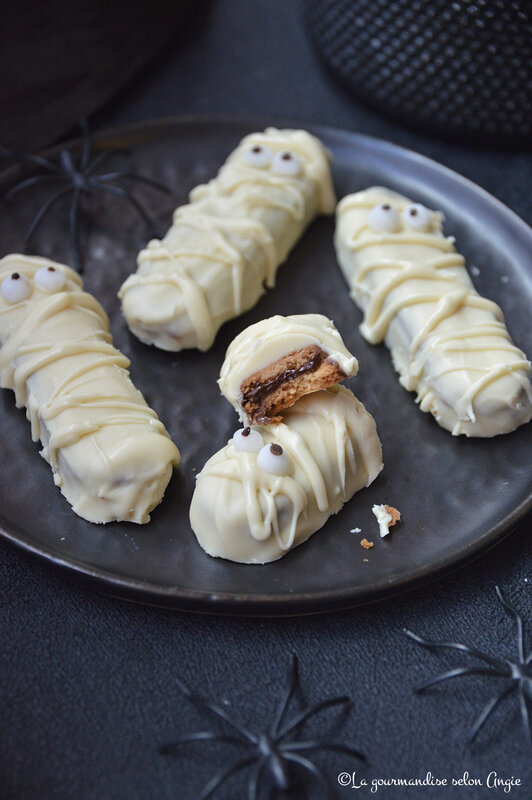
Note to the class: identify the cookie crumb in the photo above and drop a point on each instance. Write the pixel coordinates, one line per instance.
(365, 559)
(366, 545)
(394, 514)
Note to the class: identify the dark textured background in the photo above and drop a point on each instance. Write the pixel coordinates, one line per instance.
(86, 682)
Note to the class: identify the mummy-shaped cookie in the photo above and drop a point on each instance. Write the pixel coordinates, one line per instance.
(110, 455)
(227, 243)
(274, 362)
(272, 487)
(448, 343)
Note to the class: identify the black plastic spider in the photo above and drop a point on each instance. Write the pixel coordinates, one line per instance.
(270, 752)
(76, 175)
(518, 673)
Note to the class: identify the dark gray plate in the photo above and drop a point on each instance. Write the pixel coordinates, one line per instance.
(456, 496)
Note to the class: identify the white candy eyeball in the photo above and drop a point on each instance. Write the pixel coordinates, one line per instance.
(247, 440)
(272, 458)
(416, 217)
(258, 156)
(15, 288)
(384, 217)
(286, 163)
(50, 279)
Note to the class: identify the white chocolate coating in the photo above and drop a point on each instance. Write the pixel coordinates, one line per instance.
(448, 343)
(110, 454)
(383, 518)
(270, 339)
(245, 514)
(229, 241)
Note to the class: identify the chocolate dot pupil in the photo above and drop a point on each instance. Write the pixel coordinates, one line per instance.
(246, 431)
(385, 207)
(286, 156)
(257, 149)
(276, 449)
(51, 269)
(413, 212)
(15, 276)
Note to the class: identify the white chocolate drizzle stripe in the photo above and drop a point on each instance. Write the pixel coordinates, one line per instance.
(465, 405)
(444, 262)
(28, 367)
(446, 245)
(51, 410)
(71, 434)
(244, 177)
(193, 297)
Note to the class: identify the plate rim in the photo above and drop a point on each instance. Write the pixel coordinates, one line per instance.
(237, 604)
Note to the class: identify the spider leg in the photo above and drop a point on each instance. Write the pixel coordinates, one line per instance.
(310, 712)
(108, 176)
(223, 775)
(292, 683)
(113, 176)
(459, 672)
(125, 194)
(38, 161)
(214, 709)
(486, 712)
(43, 211)
(201, 736)
(86, 147)
(315, 744)
(525, 715)
(463, 648)
(101, 158)
(25, 184)
(67, 162)
(519, 622)
(314, 770)
(253, 785)
(74, 232)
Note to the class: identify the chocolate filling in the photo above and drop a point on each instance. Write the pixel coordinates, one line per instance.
(258, 393)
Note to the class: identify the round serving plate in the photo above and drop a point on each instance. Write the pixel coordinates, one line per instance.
(457, 496)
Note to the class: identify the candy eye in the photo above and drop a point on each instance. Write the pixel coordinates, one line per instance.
(246, 440)
(416, 217)
(258, 156)
(384, 217)
(272, 458)
(286, 163)
(15, 288)
(50, 279)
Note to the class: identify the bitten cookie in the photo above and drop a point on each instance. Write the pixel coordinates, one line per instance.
(110, 454)
(228, 242)
(271, 364)
(448, 343)
(273, 486)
